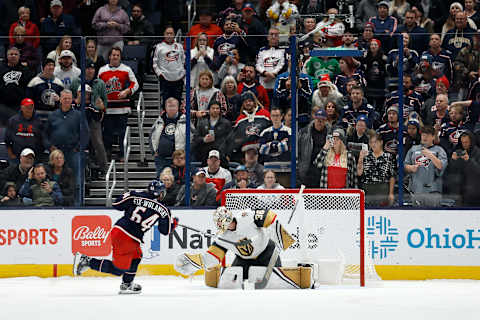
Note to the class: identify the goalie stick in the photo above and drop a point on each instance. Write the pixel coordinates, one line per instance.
(297, 199)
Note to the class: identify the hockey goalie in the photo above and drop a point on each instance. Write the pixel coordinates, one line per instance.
(255, 237)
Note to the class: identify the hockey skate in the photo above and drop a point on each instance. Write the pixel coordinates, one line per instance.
(130, 288)
(80, 264)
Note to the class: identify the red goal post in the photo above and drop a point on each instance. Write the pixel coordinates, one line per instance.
(328, 219)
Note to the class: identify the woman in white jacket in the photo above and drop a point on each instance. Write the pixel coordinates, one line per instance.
(201, 58)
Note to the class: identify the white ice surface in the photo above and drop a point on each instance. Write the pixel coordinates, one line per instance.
(173, 298)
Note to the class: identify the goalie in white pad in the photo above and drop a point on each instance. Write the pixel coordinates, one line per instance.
(250, 230)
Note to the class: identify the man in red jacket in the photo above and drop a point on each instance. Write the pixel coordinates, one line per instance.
(206, 26)
(247, 82)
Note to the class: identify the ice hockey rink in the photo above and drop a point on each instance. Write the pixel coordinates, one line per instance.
(166, 297)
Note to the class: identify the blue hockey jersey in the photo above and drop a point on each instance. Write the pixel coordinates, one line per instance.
(141, 212)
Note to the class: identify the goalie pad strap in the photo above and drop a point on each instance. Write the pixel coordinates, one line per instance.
(195, 259)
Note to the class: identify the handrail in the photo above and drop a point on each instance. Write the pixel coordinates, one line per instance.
(141, 120)
(191, 17)
(108, 190)
(126, 148)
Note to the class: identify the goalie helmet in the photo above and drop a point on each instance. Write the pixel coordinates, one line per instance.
(222, 218)
(157, 189)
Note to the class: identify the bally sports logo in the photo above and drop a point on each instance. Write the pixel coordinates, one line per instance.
(90, 235)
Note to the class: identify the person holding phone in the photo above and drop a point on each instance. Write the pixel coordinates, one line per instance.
(39, 191)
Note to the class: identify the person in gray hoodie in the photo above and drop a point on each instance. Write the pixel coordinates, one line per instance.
(202, 194)
(426, 164)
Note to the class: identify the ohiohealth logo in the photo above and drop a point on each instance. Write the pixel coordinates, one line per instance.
(382, 237)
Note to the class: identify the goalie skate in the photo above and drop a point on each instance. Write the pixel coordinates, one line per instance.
(80, 264)
(130, 288)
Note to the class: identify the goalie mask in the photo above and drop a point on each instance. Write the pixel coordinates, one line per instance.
(222, 218)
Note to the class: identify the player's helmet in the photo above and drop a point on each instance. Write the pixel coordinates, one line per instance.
(157, 189)
(222, 218)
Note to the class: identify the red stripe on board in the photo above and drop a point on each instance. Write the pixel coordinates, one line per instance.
(55, 267)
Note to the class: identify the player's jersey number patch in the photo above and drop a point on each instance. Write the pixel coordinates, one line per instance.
(147, 223)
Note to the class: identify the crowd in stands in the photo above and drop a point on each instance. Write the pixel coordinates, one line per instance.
(348, 108)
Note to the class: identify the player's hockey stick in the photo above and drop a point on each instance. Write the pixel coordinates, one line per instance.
(203, 233)
(297, 199)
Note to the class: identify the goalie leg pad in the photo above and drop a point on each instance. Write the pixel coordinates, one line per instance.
(284, 277)
(212, 276)
(231, 278)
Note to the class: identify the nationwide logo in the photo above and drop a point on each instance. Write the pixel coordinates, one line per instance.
(90, 235)
(382, 237)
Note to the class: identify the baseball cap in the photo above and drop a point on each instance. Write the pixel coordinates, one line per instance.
(248, 6)
(362, 117)
(87, 88)
(369, 25)
(56, 3)
(250, 146)
(214, 153)
(383, 3)
(200, 171)
(66, 53)
(321, 114)
(240, 168)
(27, 102)
(247, 95)
(89, 64)
(27, 151)
(339, 133)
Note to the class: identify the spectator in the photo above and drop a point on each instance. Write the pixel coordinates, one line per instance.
(216, 174)
(412, 101)
(365, 10)
(95, 106)
(326, 92)
(275, 144)
(337, 165)
(229, 90)
(349, 40)
(178, 166)
(65, 43)
(450, 131)
(44, 90)
(111, 23)
(14, 78)
(231, 66)
(29, 56)
(349, 70)
(385, 25)
(460, 36)
(270, 181)
(410, 58)
(417, 34)
(17, 173)
(455, 8)
(253, 119)
(92, 54)
(441, 87)
(440, 56)
(356, 107)
(422, 20)
(121, 84)
(389, 130)
(172, 188)
(466, 66)
(319, 67)
(413, 137)
(377, 170)
(205, 25)
(205, 94)
(287, 121)
(357, 137)
(202, 194)
(399, 9)
(471, 13)
(62, 175)
(201, 59)
(32, 33)
(140, 28)
(310, 141)
(168, 134)
(232, 38)
(271, 61)
(333, 116)
(39, 191)
(247, 82)
(283, 15)
(254, 168)
(168, 64)
(241, 180)
(211, 132)
(56, 25)
(66, 71)
(24, 130)
(11, 198)
(375, 73)
(254, 29)
(438, 113)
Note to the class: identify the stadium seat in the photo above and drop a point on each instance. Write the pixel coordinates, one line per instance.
(134, 52)
(3, 149)
(132, 64)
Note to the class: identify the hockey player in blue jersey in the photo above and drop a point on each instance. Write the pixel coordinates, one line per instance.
(142, 210)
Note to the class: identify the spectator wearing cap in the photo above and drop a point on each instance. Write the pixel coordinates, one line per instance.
(337, 165)
(216, 174)
(254, 29)
(275, 141)
(66, 71)
(367, 35)
(241, 179)
(65, 43)
(111, 23)
(202, 194)
(168, 65)
(385, 25)
(211, 132)
(17, 173)
(357, 136)
(206, 26)
(426, 164)
(389, 130)
(44, 90)
(253, 119)
(56, 25)
(39, 191)
(450, 22)
(96, 102)
(326, 92)
(283, 15)
(254, 168)
(377, 171)
(140, 28)
(365, 10)
(410, 58)
(168, 134)
(440, 56)
(310, 141)
(451, 130)
(14, 78)
(412, 137)
(233, 37)
(357, 106)
(417, 34)
(31, 30)
(247, 82)
(24, 130)
(29, 56)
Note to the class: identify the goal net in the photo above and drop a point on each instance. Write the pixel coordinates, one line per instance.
(327, 224)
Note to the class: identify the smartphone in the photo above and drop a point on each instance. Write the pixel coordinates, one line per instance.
(211, 132)
(364, 147)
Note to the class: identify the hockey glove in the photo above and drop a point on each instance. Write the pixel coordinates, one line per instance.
(174, 223)
(188, 264)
